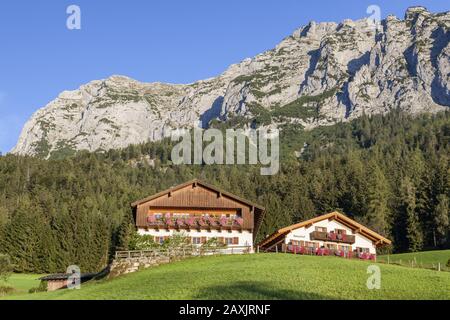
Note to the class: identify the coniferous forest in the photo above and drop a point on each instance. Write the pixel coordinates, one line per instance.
(389, 172)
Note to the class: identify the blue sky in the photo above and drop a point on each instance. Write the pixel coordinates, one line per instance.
(155, 40)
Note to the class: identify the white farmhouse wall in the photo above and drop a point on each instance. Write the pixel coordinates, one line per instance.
(302, 234)
(245, 237)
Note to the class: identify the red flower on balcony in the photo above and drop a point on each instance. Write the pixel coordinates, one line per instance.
(151, 219)
(332, 236)
(239, 221)
(212, 222)
(201, 222)
(223, 221)
(190, 222)
(180, 222)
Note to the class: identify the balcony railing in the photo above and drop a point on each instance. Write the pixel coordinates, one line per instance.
(195, 222)
(333, 237)
(327, 252)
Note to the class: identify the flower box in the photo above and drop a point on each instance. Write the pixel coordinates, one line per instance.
(239, 221)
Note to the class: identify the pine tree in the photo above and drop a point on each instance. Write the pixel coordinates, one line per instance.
(414, 233)
(378, 213)
(441, 218)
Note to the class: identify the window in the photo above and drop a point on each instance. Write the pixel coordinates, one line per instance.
(228, 241)
(366, 250)
(321, 229)
(331, 246)
(312, 244)
(159, 240)
(196, 240)
(341, 231)
(158, 215)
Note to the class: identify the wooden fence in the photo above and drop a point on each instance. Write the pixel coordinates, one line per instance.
(181, 252)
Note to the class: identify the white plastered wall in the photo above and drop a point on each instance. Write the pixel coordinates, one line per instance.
(245, 237)
(302, 234)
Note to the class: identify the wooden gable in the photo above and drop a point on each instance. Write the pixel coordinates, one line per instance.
(196, 195)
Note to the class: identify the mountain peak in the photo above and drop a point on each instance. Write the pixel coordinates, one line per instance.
(324, 73)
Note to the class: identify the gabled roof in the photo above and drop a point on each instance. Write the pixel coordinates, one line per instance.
(372, 235)
(200, 183)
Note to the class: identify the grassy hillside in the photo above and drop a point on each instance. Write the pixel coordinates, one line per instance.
(264, 276)
(22, 282)
(426, 259)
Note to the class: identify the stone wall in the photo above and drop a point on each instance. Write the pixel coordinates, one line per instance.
(129, 265)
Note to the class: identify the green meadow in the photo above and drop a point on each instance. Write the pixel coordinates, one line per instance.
(21, 283)
(263, 276)
(425, 259)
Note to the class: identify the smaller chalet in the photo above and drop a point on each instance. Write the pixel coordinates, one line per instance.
(200, 211)
(62, 280)
(329, 234)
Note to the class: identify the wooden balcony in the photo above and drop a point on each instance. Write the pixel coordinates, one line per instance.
(195, 223)
(330, 237)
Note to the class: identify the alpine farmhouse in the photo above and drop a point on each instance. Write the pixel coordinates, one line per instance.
(329, 234)
(199, 211)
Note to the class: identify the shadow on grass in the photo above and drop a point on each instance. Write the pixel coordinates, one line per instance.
(254, 290)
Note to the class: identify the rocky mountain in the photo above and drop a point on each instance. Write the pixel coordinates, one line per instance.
(322, 74)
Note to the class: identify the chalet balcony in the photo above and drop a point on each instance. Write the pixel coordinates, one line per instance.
(332, 237)
(170, 222)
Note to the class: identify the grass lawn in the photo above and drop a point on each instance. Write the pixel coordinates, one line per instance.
(426, 259)
(263, 276)
(22, 282)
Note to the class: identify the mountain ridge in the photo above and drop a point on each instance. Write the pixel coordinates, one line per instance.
(321, 74)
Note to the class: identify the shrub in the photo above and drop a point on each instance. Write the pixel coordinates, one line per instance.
(141, 242)
(213, 243)
(6, 267)
(177, 241)
(448, 263)
(4, 290)
(42, 288)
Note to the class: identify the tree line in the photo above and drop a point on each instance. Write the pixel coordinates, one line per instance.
(389, 172)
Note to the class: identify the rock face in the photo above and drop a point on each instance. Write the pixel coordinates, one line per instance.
(322, 74)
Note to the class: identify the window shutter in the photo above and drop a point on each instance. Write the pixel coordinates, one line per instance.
(189, 239)
(165, 238)
(203, 240)
(235, 240)
(220, 239)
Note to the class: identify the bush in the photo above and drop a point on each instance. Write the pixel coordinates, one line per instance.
(4, 290)
(177, 241)
(5, 267)
(448, 263)
(42, 288)
(212, 244)
(141, 242)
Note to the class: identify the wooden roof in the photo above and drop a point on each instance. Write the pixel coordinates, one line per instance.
(370, 234)
(201, 183)
(65, 276)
